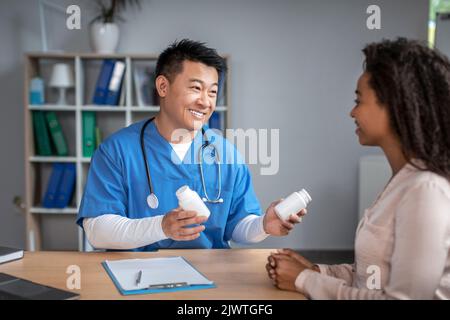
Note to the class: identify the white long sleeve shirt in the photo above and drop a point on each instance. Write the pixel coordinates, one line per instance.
(401, 247)
(111, 231)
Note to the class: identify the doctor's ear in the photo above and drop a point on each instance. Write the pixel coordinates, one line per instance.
(162, 84)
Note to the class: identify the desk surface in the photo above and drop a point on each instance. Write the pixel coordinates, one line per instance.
(237, 273)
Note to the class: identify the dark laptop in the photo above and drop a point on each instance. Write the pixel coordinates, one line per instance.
(13, 288)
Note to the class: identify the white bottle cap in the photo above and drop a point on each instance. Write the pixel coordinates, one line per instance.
(295, 202)
(305, 195)
(183, 193)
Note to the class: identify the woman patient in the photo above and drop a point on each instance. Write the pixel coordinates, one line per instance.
(402, 243)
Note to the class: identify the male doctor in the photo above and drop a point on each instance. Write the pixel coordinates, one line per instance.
(115, 212)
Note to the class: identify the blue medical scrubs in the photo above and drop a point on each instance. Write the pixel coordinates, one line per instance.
(117, 183)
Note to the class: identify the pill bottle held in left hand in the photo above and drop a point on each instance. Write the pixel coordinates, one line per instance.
(189, 200)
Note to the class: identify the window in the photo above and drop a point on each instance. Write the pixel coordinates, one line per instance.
(436, 6)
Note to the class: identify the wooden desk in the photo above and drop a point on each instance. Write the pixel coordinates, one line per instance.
(238, 273)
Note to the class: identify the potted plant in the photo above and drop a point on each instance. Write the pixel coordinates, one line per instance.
(104, 30)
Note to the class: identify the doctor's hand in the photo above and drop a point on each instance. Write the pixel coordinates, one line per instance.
(174, 225)
(275, 226)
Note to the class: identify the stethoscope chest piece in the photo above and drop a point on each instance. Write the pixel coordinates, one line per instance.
(152, 201)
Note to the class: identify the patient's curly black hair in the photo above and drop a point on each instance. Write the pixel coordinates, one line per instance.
(413, 81)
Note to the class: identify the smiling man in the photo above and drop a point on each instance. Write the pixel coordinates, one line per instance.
(130, 201)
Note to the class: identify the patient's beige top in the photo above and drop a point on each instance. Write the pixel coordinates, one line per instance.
(401, 247)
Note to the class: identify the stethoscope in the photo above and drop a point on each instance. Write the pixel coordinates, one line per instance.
(152, 199)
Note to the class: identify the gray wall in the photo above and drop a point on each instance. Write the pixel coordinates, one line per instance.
(294, 67)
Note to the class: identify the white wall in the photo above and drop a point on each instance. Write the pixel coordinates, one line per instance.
(294, 67)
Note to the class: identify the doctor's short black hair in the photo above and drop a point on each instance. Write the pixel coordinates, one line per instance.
(413, 82)
(170, 61)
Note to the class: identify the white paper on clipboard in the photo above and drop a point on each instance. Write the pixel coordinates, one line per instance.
(155, 271)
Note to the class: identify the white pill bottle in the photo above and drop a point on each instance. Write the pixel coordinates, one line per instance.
(189, 200)
(293, 204)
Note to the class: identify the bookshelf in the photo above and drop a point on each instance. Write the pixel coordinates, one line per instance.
(86, 67)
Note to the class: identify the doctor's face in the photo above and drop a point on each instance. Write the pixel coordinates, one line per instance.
(190, 98)
(371, 118)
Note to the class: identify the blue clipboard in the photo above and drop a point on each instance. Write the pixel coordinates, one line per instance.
(152, 290)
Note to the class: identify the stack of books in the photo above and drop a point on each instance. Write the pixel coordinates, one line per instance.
(60, 186)
(49, 137)
(10, 254)
(108, 90)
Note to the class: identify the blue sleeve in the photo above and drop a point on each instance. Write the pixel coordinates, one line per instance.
(105, 190)
(244, 200)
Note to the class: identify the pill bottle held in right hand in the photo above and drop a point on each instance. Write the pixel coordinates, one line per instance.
(189, 200)
(293, 204)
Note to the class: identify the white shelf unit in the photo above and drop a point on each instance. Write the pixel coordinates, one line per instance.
(86, 68)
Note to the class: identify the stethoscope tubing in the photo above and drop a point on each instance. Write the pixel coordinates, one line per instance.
(218, 198)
